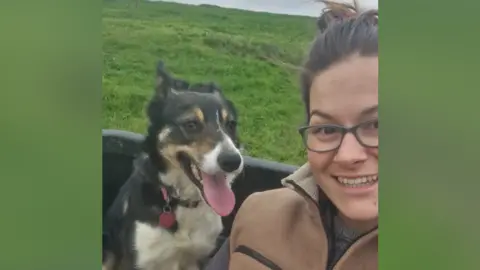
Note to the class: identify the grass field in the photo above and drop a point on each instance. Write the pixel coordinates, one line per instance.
(239, 50)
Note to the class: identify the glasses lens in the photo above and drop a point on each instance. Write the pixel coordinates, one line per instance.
(323, 138)
(368, 133)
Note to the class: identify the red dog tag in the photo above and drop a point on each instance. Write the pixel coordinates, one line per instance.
(167, 220)
(167, 217)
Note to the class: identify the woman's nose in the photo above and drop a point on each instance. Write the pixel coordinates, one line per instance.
(350, 151)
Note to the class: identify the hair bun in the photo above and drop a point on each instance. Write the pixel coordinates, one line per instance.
(335, 11)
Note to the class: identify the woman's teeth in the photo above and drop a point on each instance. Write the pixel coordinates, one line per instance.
(359, 181)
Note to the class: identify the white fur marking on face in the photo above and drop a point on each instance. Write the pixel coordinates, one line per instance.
(218, 121)
(230, 145)
(163, 134)
(209, 162)
(125, 206)
(227, 141)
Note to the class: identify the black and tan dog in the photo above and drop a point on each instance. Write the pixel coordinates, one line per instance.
(168, 214)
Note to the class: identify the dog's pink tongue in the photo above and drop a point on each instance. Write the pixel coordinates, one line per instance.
(218, 194)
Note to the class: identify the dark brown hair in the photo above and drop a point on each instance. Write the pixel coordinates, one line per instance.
(342, 32)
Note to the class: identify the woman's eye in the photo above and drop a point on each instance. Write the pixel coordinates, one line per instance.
(371, 125)
(324, 130)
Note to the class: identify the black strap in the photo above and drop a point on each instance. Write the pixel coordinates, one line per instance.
(177, 201)
(186, 203)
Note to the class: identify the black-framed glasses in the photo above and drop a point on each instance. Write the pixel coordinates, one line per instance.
(324, 138)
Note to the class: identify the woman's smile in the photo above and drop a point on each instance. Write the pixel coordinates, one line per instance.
(357, 184)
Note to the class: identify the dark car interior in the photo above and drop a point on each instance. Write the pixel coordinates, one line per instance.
(121, 147)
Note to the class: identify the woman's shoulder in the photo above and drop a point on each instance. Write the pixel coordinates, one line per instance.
(266, 198)
(270, 203)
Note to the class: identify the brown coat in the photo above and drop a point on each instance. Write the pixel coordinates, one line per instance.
(283, 229)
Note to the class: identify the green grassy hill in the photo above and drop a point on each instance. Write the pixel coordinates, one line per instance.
(205, 43)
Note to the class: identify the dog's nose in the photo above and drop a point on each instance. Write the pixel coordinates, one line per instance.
(229, 161)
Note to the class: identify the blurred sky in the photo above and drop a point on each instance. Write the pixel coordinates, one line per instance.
(296, 7)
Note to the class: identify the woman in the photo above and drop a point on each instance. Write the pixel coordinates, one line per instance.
(326, 217)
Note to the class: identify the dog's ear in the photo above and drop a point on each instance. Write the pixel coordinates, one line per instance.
(180, 85)
(164, 83)
(207, 88)
(215, 89)
(210, 88)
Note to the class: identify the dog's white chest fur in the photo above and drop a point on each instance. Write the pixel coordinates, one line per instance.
(158, 249)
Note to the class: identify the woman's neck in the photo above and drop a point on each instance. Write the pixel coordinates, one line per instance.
(360, 226)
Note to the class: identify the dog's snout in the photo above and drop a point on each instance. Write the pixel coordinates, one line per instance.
(229, 161)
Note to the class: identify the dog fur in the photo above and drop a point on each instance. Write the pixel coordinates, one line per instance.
(173, 160)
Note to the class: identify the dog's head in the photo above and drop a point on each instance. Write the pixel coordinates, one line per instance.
(193, 129)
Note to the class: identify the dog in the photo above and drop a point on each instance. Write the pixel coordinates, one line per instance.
(167, 216)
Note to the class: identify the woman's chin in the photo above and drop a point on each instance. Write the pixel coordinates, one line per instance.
(360, 212)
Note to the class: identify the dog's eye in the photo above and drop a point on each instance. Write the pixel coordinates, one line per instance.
(191, 126)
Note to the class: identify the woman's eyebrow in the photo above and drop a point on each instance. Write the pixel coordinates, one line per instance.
(364, 112)
(369, 110)
(321, 114)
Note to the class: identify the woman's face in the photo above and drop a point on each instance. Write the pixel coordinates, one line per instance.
(346, 94)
